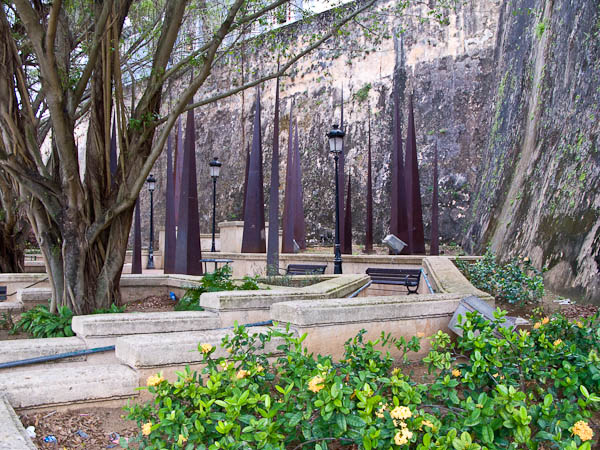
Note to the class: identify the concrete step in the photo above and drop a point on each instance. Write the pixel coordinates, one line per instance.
(12, 434)
(12, 307)
(31, 348)
(34, 296)
(114, 325)
(170, 349)
(68, 383)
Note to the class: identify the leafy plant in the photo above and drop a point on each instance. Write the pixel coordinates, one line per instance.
(41, 323)
(219, 280)
(114, 309)
(494, 388)
(515, 282)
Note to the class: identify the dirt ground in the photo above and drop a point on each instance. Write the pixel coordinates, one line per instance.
(92, 428)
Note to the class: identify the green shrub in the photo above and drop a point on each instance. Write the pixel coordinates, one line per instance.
(114, 309)
(219, 280)
(491, 389)
(41, 323)
(515, 282)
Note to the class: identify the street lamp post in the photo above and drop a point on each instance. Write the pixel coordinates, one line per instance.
(215, 167)
(336, 138)
(151, 185)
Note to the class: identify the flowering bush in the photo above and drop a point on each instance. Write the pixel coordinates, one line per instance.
(514, 282)
(493, 388)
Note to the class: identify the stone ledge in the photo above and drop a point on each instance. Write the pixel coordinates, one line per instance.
(13, 307)
(364, 309)
(154, 350)
(34, 296)
(12, 433)
(68, 383)
(105, 325)
(31, 348)
(448, 279)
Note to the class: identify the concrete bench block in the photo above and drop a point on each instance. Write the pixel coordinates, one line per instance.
(102, 325)
(12, 434)
(34, 296)
(176, 348)
(11, 307)
(31, 348)
(68, 383)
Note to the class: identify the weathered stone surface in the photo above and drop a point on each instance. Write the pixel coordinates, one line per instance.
(12, 433)
(538, 193)
(19, 349)
(150, 350)
(34, 296)
(100, 325)
(65, 383)
(446, 278)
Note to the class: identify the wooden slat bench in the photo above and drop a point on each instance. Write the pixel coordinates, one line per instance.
(305, 269)
(404, 277)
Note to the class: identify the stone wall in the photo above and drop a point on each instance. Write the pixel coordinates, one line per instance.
(538, 190)
(449, 69)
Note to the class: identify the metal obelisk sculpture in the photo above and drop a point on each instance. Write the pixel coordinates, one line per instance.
(299, 224)
(434, 248)
(399, 219)
(245, 187)
(273, 239)
(253, 239)
(369, 223)
(170, 235)
(341, 183)
(178, 169)
(188, 252)
(136, 257)
(287, 238)
(416, 235)
(348, 219)
(113, 151)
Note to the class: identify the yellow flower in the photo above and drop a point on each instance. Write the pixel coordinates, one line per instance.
(380, 411)
(147, 428)
(427, 423)
(537, 325)
(400, 438)
(399, 423)
(154, 380)
(206, 348)
(526, 259)
(545, 320)
(401, 412)
(229, 350)
(557, 342)
(395, 370)
(181, 440)
(583, 430)
(316, 383)
(579, 324)
(456, 373)
(259, 368)
(242, 374)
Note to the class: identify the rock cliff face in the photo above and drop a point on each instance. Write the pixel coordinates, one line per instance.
(538, 191)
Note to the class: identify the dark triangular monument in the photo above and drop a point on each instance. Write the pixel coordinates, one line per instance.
(273, 239)
(347, 250)
(434, 248)
(136, 257)
(299, 224)
(170, 234)
(188, 252)
(178, 169)
(399, 219)
(245, 187)
(253, 239)
(369, 223)
(287, 238)
(416, 237)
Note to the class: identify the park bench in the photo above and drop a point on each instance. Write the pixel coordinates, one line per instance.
(305, 269)
(2, 293)
(403, 277)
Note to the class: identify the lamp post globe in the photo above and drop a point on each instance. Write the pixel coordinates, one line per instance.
(215, 168)
(336, 140)
(151, 186)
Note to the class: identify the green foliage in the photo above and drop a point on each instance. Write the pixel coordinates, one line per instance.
(219, 280)
(515, 282)
(363, 93)
(114, 309)
(491, 389)
(41, 323)
(540, 28)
